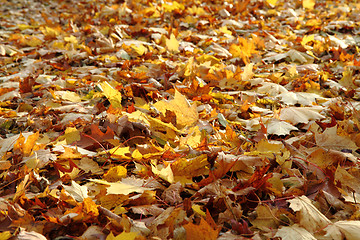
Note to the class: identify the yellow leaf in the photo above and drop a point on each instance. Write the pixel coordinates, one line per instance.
(271, 2)
(58, 44)
(308, 4)
(69, 96)
(113, 58)
(69, 153)
(198, 210)
(244, 49)
(110, 236)
(171, 6)
(30, 143)
(191, 167)
(115, 174)
(19, 144)
(193, 138)
(248, 72)
(196, 10)
(186, 115)
(5, 235)
(119, 151)
(347, 79)
(51, 32)
(139, 49)
(172, 44)
(71, 39)
(24, 26)
(225, 30)
(208, 58)
(33, 41)
(235, 50)
(123, 236)
(120, 187)
(136, 154)
(71, 135)
(90, 207)
(113, 95)
(127, 236)
(189, 67)
(306, 39)
(164, 173)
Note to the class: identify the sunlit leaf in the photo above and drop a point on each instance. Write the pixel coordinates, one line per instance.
(112, 94)
(172, 44)
(121, 187)
(186, 115)
(308, 4)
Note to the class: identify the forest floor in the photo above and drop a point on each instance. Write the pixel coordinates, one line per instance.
(179, 119)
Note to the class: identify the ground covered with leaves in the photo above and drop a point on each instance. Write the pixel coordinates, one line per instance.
(179, 119)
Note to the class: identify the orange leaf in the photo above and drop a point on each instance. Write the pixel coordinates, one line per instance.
(203, 231)
(96, 137)
(30, 143)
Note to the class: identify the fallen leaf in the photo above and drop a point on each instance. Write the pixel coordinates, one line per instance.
(79, 193)
(172, 44)
(164, 173)
(278, 127)
(201, 231)
(294, 232)
(186, 115)
(112, 94)
(297, 115)
(331, 140)
(121, 187)
(308, 4)
(309, 216)
(343, 229)
(115, 174)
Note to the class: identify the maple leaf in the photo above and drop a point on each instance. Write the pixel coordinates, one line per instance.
(201, 231)
(330, 139)
(123, 187)
(112, 94)
(172, 44)
(277, 127)
(79, 193)
(224, 137)
(115, 173)
(341, 229)
(310, 217)
(244, 50)
(308, 4)
(300, 114)
(95, 138)
(294, 232)
(186, 115)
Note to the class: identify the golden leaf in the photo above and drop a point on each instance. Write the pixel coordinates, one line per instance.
(172, 44)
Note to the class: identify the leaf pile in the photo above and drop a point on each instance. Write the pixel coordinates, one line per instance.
(179, 119)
